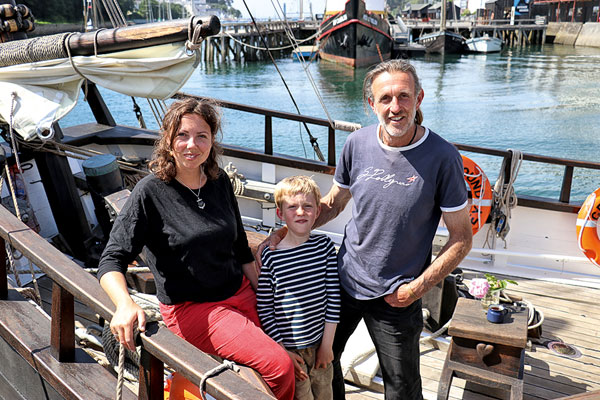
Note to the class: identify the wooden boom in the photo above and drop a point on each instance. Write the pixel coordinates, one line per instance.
(137, 36)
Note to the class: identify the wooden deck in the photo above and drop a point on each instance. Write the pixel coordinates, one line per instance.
(572, 315)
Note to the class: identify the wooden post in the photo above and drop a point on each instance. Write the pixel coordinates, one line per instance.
(150, 377)
(3, 271)
(268, 134)
(565, 189)
(331, 147)
(544, 36)
(62, 336)
(224, 48)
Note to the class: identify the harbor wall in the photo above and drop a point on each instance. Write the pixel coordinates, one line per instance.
(589, 35)
(568, 33)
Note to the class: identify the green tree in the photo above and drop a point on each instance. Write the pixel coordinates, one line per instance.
(56, 10)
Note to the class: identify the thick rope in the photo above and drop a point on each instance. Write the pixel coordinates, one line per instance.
(226, 364)
(32, 50)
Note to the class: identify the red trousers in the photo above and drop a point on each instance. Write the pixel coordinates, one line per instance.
(231, 329)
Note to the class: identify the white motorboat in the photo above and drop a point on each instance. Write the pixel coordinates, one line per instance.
(484, 44)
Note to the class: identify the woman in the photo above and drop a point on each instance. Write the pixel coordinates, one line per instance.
(186, 218)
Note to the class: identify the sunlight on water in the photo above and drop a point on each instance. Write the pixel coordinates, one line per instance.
(540, 100)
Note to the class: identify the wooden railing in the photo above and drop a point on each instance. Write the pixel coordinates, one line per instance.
(159, 346)
(563, 203)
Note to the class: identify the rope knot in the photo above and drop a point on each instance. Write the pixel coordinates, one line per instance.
(194, 41)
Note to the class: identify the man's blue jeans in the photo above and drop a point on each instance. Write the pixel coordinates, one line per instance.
(395, 333)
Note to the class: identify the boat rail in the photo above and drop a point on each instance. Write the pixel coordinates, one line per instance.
(159, 346)
(563, 203)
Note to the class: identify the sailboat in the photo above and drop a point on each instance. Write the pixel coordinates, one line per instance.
(355, 33)
(442, 41)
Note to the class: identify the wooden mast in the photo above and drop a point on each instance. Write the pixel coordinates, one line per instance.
(443, 19)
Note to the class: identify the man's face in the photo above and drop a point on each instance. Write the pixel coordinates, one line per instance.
(394, 102)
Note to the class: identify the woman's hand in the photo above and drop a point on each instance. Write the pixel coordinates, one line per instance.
(298, 363)
(324, 356)
(124, 322)
(128, 313)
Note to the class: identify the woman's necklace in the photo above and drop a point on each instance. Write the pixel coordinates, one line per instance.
(201, 204)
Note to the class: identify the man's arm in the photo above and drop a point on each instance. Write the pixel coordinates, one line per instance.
(458, 246)
(331, 206)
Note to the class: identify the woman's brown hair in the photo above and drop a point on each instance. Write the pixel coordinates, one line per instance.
(163, 163)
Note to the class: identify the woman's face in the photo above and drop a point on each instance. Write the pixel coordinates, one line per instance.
(192, 143)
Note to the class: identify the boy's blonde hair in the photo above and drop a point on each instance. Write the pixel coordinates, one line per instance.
(294, 185)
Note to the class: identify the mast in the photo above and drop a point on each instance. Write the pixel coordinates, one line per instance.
(443, 20)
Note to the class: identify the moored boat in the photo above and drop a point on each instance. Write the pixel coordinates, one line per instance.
(484, 44)
(443, 42)
(355, 33)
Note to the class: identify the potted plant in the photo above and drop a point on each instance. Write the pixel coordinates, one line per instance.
(488, 289)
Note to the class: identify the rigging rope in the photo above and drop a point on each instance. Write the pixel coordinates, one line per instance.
(305, 65)
(272, 48)
(313, 140)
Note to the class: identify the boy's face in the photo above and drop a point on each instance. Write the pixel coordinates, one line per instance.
(299, 212)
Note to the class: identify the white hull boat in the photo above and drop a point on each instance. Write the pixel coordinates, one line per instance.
(484, 44)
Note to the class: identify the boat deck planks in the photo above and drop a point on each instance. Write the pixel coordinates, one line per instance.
(571, 314)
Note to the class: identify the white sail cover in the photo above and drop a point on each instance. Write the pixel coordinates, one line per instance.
(46, 91)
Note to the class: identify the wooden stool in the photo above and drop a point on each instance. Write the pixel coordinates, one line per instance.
(485, 353)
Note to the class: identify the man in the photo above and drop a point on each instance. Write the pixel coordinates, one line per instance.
(402, 178)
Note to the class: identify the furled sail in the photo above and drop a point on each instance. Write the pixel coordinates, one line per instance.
(35, 95)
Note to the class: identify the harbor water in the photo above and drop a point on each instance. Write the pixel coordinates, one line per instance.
(542, 100)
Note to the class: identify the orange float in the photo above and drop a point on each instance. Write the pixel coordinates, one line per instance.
(182, 389)
(481, 193)
(587, 231)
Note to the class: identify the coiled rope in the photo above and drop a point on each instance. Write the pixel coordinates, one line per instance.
(504, 197)
(237, 179)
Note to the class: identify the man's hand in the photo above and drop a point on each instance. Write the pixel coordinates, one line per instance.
(272, 241)
(402, 297)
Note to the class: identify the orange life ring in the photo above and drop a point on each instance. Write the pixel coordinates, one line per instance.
(587, 231)
(481, 193)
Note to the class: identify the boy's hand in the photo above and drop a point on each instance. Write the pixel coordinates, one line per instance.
(324, 356)
(272, 241)
(298, 362)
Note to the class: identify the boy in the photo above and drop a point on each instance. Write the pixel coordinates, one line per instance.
(298, 296)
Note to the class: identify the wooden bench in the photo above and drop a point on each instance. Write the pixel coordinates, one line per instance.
(29, 369)
(485, 353)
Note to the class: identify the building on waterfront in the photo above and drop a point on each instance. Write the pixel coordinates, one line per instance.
(415, 11)
(435, 11)
(568, 10)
